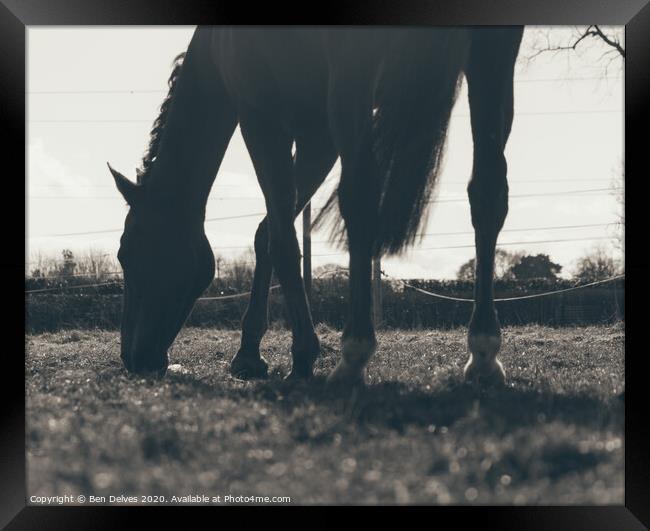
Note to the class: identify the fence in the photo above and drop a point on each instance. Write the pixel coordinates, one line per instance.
(72, 304)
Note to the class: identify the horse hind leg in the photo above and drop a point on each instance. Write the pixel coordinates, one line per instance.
(489, 76)
(315, 156)
(350, 119)
(358, 340)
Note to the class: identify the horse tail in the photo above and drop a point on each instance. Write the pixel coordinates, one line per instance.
(415, 94)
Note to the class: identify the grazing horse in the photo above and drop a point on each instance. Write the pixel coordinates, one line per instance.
(378, 98)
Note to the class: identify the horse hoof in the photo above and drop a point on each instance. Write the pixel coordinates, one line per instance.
(247, 368)
(345, 378)
(490, 375)
(297, 377)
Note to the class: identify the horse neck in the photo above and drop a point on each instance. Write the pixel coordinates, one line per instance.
(194, 131)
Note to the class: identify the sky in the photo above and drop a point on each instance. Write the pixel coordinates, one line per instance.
(94, 92)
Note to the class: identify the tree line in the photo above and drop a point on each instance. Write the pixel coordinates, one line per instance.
(597, 264)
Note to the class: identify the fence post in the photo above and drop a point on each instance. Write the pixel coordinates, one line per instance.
(617, 307)
(218, 264)
(306, 250)
(376, 292)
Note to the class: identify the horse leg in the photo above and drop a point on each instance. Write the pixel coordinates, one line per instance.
(270, 148)
(490, 73)
(350, 103)
(358, 339)
(248, 363)
(315, 156)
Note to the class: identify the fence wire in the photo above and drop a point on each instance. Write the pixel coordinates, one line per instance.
(506, 299)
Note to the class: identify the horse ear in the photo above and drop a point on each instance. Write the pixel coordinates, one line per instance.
(129, 190)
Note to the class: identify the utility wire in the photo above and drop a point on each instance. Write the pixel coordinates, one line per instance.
(511, 181)
(459, 115)
(456, 233)
(498, 245)
(261, 198)
(164, 91)
(256, 214)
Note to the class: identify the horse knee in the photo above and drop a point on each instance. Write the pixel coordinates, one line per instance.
(346, 198)
(284, 251)
(261, 242)
(359, 213)
(488, 192)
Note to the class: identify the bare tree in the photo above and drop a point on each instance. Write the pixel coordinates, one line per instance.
(550, 40)
(96, 263)
(598, 264)
(238, 272)
(218, 264)
(618, 190)
(504, 261)
(41, 265)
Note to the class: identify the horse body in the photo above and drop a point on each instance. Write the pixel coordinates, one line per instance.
(263, 66)
(379, 99)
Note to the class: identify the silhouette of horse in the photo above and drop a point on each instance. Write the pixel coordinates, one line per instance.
(378, 98)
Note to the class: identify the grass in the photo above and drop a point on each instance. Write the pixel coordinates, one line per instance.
(415, 435)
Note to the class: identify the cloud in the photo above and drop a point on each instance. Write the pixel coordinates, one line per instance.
(48, 175)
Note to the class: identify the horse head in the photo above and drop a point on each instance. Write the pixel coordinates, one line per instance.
(167, 263)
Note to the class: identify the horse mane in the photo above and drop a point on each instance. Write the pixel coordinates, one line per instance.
(155, 136)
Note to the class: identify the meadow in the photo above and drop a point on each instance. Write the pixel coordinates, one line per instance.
(416, 434)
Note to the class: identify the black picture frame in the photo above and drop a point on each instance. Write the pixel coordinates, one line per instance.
(16, 15)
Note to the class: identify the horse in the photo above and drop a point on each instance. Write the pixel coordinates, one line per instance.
(379, 99)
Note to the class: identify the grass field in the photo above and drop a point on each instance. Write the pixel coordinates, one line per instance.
(415, 435)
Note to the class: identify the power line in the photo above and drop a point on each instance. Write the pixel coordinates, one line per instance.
(236, 217)
(104, 231)
(84, 121)
(520, 243)
(552, 79)
(218, 185)
(511, 181)
(164, 91)
(427, 234)
(498, 245)
(98, 92)
(107, 231)
(523, 229)
(514, 180)
(261, 198)
(256, 214)
(118, 196)
(454, 233)
(463, 115)
(540, 194)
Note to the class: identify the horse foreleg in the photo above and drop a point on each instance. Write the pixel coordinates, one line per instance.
(489, 77)
(315, 156)
(270, 148)
(248, 362)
